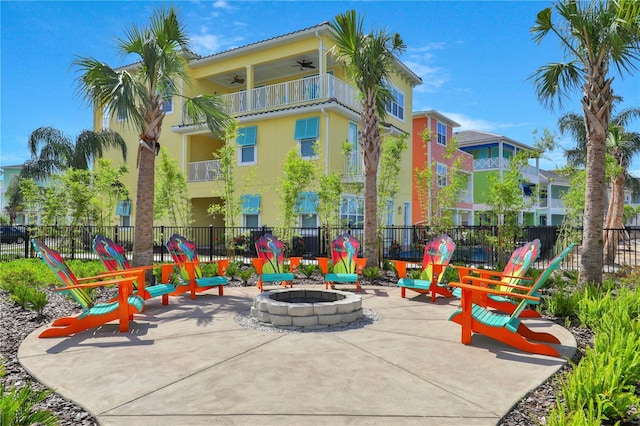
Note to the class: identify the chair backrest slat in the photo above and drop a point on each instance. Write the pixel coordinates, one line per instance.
(344, 252)
(59, 267)
(183, 251)
(437, 252)
(553, 265)
(519, 263)
(271, 254)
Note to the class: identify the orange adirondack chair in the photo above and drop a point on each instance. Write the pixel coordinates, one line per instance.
(114, 258)
(437, 255)
(269, 264)
(505, 328)
(92, 315)
(347, 267)
(185, 257)
(513, 275)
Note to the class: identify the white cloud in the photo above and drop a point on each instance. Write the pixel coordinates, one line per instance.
(221, 4)
(419, 59)
(205, 43)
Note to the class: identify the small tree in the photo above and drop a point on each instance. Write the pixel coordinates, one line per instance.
(171, 194)
(298, 174)
(107, 192)
(388, 184)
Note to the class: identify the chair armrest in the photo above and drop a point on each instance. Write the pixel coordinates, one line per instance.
(110, 274)
(124, 280)
(479, 289)
(485, 282)
(323, 264)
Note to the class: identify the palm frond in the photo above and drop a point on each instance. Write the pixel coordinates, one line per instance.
(208, 109)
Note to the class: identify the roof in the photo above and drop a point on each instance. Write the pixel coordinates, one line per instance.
(468, 138)
(552, 176)
(435, 114)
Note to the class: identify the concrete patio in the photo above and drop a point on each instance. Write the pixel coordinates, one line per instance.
(191, 363)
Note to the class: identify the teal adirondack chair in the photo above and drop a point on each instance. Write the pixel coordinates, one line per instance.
(437, 255)
(113, 257)
(92, 315)
(347, 266)
(502, 327)
(510, 279)
(270, 263)
(185, 257)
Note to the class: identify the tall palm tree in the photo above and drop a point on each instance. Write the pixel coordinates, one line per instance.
(137, 93)
(622, 146)
(369, 60)
(594, 36)
(53, 152)
(14, 199)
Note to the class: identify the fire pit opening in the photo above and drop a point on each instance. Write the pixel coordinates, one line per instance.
(306, 308)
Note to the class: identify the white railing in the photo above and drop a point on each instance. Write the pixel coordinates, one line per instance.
(203, 171)
(486, 163)
(291, 93)
(552, 203)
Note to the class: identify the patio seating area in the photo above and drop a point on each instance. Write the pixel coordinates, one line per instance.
(407, 368)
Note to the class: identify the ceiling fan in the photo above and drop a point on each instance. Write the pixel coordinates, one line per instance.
(237, 79)
(304, 64)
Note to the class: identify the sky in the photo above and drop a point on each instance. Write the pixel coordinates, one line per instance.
(474, 57)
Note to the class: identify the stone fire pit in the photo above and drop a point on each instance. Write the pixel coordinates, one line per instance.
(306, 308)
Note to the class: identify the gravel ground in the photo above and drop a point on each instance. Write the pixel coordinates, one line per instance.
(16, 324)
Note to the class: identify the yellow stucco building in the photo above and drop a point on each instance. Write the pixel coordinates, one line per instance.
(285, 92)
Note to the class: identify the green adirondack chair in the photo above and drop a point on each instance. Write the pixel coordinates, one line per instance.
(185, 257)
(508, 329)
(92, 315)
(113, 257)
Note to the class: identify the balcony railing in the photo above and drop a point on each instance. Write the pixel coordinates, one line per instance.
(290, 93)
(553, 203)
(203, 171)
(486, 163)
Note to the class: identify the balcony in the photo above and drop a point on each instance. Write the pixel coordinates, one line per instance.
(204, 171)
(292, 93)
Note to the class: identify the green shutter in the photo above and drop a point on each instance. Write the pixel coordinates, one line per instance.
(307, 203)
(307, 128)
(250, 203)
(247, 136)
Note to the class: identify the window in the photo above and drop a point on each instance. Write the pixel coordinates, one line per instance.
(309, 221)
(123, 208)
(247, 145)
(307, 148)
(307, 207)
(442, 175)
(396, 106)
(442, 134)
(105, 119)
(250, 210)
(352, 210)
(167, 106)
(307, 131)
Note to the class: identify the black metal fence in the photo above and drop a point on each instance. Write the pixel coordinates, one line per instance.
(474, 244)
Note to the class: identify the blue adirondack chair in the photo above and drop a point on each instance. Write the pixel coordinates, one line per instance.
(185, 257)
(92, 315)
(503, 327)
(113, 257)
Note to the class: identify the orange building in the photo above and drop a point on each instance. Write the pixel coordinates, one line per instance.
(432, 153)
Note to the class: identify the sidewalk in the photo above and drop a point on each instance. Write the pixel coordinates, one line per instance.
(190, 363)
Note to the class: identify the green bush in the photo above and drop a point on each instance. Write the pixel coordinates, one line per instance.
(19, 407)
(307, 269)
(30, 272)
(372, 273)
(86, 268)
(233, 270)
(245, 274)
(209, 270)
(563, 301)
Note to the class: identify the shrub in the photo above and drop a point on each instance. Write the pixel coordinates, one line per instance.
(372, 273)
(19, 407)
(233, 269)
(209, 270)
(245, 274)
(307, 269)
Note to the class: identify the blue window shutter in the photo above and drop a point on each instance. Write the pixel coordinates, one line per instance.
(250, 203)
(307, 203)
(307, 128)
(247, 136)
(123, 208)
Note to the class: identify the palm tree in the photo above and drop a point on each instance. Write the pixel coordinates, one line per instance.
(136, 94)
(53, 152)
(622, 146)
(594, 36)
(14, 199)
(369, 60)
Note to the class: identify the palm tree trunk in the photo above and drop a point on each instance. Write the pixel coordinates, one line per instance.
(370, 143)
(143, 234)
(614, 220)
(596, 105)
